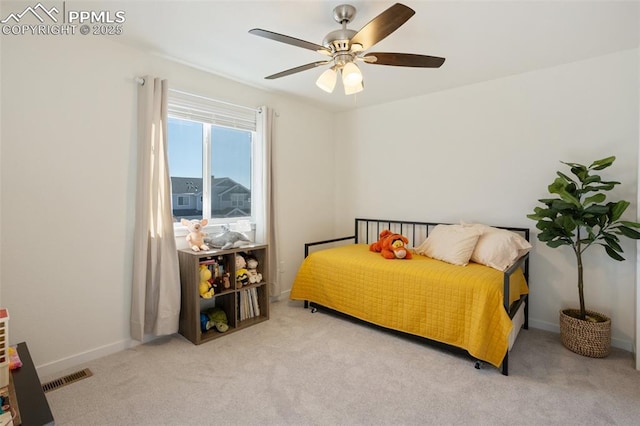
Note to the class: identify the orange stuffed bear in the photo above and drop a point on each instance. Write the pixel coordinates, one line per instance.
(391, 246)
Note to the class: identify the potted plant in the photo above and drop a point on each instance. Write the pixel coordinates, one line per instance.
(580, 217)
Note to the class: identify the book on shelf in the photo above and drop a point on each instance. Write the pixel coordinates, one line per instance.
(248, 304)
(251, 309)
(256, 304)
(247, 301)
(241, 306)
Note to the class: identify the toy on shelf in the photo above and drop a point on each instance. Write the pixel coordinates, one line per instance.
(252, 273)
(4, 347)
(221, 275)
(205, 287)
(242, 278)
(214, 318)
(14, 359)
(196, 235)
(226, 280)
(228, 239)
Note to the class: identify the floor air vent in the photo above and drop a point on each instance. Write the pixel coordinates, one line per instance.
(66, 380)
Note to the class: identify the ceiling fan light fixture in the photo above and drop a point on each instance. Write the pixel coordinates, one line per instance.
(353, 89)
(351, 74)
(345, 46)
(357, 47)
(327, 80)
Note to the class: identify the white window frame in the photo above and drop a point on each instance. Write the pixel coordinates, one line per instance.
(186, 106)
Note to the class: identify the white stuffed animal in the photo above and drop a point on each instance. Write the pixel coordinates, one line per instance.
(254, 275)
(196, 235)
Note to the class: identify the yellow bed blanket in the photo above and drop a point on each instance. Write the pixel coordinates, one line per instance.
(458, 305)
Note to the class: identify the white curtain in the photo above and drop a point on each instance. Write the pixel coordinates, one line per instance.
(155, 295)
(266, 118)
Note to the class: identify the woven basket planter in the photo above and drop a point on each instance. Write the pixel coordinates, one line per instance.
(592, 339)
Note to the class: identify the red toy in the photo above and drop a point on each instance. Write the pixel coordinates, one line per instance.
(391, 246)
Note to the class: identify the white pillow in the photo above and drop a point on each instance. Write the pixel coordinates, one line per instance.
(497, 248)
(450, 243)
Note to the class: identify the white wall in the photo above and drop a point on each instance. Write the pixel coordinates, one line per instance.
(487, 152)
(68, 186)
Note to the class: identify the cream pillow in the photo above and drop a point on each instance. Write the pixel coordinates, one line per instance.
(450, 243)
(498, 248)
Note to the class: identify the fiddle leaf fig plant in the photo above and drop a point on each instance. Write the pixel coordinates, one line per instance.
(579, 216)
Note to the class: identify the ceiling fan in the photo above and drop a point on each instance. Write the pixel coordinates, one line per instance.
(345, 47)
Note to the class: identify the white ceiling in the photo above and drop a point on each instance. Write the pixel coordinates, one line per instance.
(481, 40)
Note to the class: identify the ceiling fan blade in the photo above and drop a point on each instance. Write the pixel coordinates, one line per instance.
(297, 69)
(405, 60)
(290, 40)
(382, 25)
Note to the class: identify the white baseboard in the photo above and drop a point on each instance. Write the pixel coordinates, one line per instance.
(626, 345)
(47, 371)
(284, 295)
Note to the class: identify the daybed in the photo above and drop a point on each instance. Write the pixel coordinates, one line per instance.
(475, 307)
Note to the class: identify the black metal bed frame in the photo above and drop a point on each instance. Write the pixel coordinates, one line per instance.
(367, 231)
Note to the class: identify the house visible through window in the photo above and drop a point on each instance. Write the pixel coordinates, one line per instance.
(213, 154)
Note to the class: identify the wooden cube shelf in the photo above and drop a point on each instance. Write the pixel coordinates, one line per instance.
(244, 305)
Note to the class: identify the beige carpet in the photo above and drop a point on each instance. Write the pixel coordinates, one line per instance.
(300, 368)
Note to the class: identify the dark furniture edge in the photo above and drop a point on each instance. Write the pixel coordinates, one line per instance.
(33, 404)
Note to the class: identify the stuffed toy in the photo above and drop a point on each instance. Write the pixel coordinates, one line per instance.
(205, 287)
(196, 235)
(254, 275)
(228, 239)
(226, 282)
(241, 271)
(220, 277)
(391, 246)
(214, 318)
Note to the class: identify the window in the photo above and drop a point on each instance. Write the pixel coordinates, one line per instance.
(237, 200)
(216, 160)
